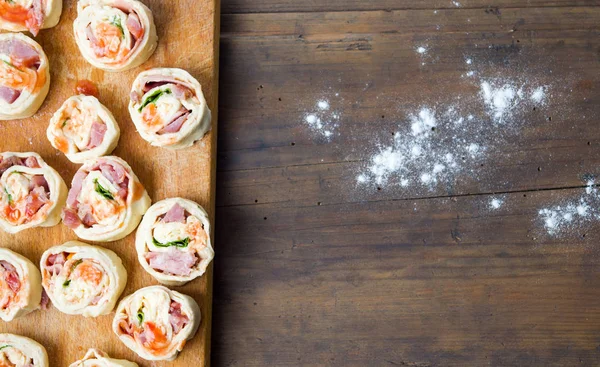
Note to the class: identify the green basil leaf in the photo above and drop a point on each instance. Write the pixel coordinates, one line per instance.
(5, 346)
(152, 98)
(140, 316)
(102, 191)
(180, 243)
(10, 200)
(116, 21)
(67, 283)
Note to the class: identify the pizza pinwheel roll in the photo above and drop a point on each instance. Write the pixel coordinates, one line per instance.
(19, 351)
(24, 76)
(114, 35)
(31, 192)
(156, 322)
(20, 285)
(168, 108)
(29, 15)
(173, 241)
(98, 358)
(82, 279)
(83, 128)
(106, 200)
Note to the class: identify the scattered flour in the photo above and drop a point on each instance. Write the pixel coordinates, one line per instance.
(502, 97)
(538, 95)
(429, 149)
(570, 215)
(322, 121)
(496, 203)
(421, 50)
(456, 3)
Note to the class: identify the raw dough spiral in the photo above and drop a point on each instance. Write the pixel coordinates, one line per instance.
(173, 241)
(156, 322)
(20, 285)
(106, 200)
(24, 76)
(31, 192)
(83, 128)
(82, 279)
(115, 35)
(168, 108)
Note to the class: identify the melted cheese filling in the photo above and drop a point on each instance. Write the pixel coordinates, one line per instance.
(105, 211)
(76, 125)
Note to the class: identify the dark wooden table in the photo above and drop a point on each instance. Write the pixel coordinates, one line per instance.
(313, 270)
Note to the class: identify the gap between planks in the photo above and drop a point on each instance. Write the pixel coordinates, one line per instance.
(389, 10)
(420, 198)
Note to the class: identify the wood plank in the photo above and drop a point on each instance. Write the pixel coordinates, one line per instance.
(436, 282)
(280, 6)
(278, 68)
(189, 173)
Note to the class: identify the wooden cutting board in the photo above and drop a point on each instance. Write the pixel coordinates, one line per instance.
(188, 32)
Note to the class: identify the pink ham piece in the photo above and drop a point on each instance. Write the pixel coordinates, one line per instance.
(70, 218)
(97, 134)
(113, 171)
(35, 18)
(173, 261)
(76, 185)
(36, 199)
(176, 125)
(9, 95)
(21, 54)
(175, 214)
(9, 162)
(10, 276)
(176, 318)
(55, 262)
(39, 181)
(134, 26)
(32, 162)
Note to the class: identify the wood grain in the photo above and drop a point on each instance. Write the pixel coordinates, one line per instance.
(313, 6)
(188, 34)
(312, 272)
(295, 61)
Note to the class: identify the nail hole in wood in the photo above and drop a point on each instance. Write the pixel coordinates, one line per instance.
(378, 188)
(293, 143)
(265, 218)
(539, 169)
(256, 201)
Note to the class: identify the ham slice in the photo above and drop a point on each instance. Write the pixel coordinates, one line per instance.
(134, 26)
(55, 262)
(175, 214)
(97, 135)
(39, 181)
(36, 199)
(35, 17)
(176, 318)
(6, 163)
(173, 261)
(70, 218)
(32, 162)
(9, 95)
(10, 276)
(76, 185)
(176, 125)
(21, 54)
(113, 171)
